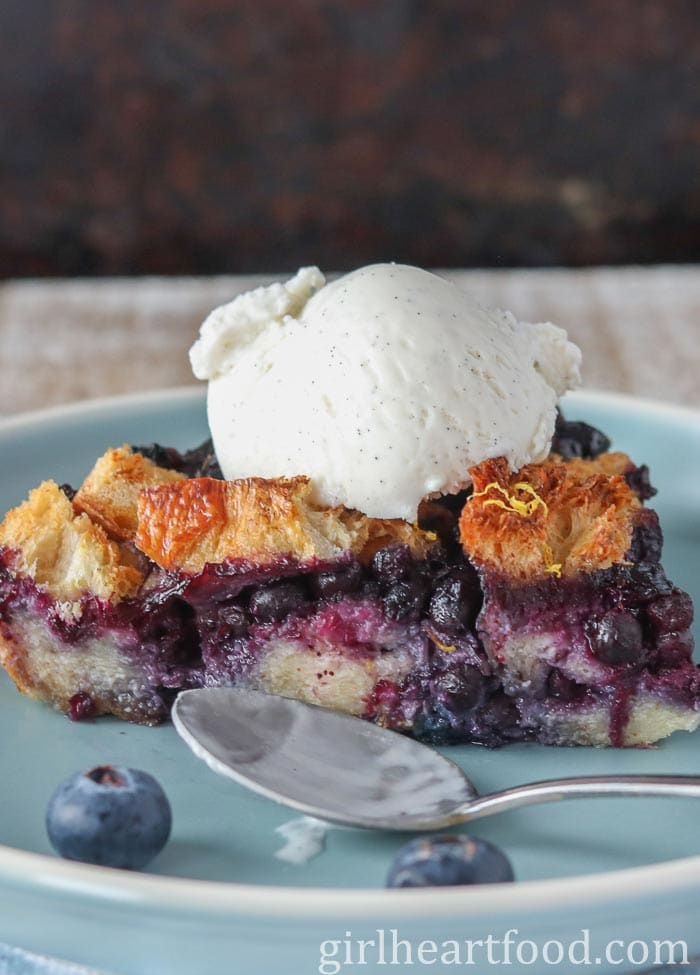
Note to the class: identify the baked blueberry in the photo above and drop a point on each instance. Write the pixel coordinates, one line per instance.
(647, 581)
(448, 861)
(672, 613)
(459, 688)
(617, 638)
(392, 564)
(455, 601)
(575, 439)
(638, 480)
(232, 620)
(337, 582)
(167, 457)
(673, 648)
(647, 538)
(111, 816)
(404, 599)
(274, 602)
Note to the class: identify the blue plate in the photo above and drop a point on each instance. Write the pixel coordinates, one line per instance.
(218, 900)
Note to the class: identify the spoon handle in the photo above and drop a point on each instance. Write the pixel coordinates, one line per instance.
(588, 787)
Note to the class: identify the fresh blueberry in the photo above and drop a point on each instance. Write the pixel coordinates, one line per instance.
(448, 861)
(112, 816)
(271, 603)
(617, 638)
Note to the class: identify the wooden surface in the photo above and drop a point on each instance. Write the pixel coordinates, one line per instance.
(181, 136)
(60, 341)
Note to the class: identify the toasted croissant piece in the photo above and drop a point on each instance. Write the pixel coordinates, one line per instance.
(555, 517)
(109, 494)
(66, 553)
(187, 524)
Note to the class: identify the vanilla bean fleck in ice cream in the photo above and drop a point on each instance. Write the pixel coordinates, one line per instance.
(383, 386)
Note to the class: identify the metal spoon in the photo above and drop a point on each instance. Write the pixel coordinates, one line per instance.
(346, 770)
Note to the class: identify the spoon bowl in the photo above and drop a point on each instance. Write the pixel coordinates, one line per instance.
(320, 762)
(346, 770)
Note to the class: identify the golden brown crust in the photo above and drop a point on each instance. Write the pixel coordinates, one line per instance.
(109, 494)
(65, 553)
(368, 535)
(555, 517)
(613, 463)
(187, 524)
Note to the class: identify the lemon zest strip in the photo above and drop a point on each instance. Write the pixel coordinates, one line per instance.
(512, 503)
(549, 563)
(526, 509)
(445, 647)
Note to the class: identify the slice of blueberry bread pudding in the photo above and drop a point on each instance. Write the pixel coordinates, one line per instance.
(531, 607)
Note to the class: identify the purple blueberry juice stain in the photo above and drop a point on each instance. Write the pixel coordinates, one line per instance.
(628, 623)
(215, 627)
(82, 707)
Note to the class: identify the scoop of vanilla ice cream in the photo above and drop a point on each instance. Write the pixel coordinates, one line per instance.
(384, 386)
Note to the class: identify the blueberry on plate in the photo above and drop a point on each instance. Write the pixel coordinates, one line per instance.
(448, 861)
(112, 816)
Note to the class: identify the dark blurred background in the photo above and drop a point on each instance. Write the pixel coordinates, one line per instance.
(203, 136)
